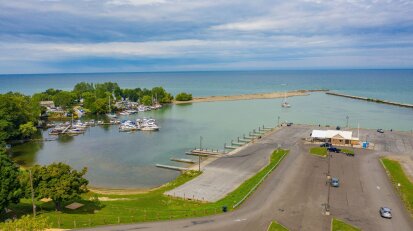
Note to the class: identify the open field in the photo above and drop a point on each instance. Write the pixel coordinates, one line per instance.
(338, 225)
(271, 95)
(400, 182)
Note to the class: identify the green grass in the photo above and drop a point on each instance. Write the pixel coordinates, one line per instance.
(274, 226)
(338, 225)
(397, 176)
(150, 206)
(319, 151)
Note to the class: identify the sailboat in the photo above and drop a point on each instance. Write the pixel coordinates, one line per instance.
(285, 103)
(109, 114)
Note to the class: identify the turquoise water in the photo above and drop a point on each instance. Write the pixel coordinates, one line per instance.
(393, 85)
(128, 160)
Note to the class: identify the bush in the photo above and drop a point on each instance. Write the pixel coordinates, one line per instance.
(183, 96)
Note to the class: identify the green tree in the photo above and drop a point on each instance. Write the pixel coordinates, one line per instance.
(183, 96)
(59, 182)
(10, 190)
(16, 109)
(28, 223)
(27, 129)
(64, 99)
(101, 106)
(83, 87)
(146, 100)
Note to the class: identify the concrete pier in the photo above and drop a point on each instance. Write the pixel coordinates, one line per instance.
(171, 167)
(371, 100)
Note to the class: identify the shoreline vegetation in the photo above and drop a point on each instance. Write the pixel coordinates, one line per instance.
(269, 95)
(152, 206)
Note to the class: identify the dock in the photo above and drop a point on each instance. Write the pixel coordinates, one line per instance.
(371, 100)
(231, 147)
(171, 167)
(208, 152)
(187, 161)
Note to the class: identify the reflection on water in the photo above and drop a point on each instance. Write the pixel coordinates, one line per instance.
(116, 159)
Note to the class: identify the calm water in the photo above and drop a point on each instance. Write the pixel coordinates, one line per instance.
(385, 84)
(127, 159)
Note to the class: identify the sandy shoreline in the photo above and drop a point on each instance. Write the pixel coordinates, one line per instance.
(270, 95)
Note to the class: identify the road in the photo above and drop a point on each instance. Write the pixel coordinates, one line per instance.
(296, 193)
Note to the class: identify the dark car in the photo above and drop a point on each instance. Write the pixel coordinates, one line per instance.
(325, 145)
(289, 124)
(334, 182)
(333, 149)
(380, 130)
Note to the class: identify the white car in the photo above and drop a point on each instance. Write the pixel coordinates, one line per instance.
(385, 212)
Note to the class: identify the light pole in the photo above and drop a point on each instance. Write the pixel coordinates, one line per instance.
(31, 187)
(199, 156)
(347, 117)
(278, 123)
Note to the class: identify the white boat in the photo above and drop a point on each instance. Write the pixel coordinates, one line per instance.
(152, 127)
(110, 114)
(285, 103)
(125, 113)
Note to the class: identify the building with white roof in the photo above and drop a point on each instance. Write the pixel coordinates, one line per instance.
(335, 137)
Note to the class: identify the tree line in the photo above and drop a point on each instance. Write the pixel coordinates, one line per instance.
(96, 96)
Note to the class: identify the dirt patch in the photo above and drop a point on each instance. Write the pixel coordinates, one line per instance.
(112, 199)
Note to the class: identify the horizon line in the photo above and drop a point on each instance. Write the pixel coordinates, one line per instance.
(189, 71)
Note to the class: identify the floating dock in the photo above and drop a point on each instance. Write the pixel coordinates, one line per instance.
(371, 100)
(172, 167)
(188, 161)
(208, 152)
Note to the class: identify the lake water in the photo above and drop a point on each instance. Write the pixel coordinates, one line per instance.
(127, 160)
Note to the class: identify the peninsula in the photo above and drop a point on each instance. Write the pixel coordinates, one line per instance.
(270, 95)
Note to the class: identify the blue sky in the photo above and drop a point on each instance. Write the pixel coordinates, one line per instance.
(51, 36)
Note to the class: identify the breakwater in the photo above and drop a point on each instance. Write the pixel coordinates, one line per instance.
(371, 100)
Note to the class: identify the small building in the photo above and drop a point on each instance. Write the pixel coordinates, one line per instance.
(335, 137)
(47, 104)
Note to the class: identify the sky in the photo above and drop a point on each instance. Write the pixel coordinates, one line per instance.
(75, 36)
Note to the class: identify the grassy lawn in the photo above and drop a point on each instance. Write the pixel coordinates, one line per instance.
(347, 151)
(338, 225)
(397, 176)
(274, 226)
(150, 206)
(319, 151)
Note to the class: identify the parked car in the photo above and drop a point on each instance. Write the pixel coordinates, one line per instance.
(289, 124)
(335, 182)
(338, 128)
(385, 212)
(380, 130)
(333, 149)
(325, 145)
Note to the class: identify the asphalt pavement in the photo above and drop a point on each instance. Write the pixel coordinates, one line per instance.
(296, 193)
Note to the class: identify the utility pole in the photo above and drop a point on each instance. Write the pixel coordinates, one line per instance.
(347, 117)
(31, 187)
(278, 123)
(199, 156)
